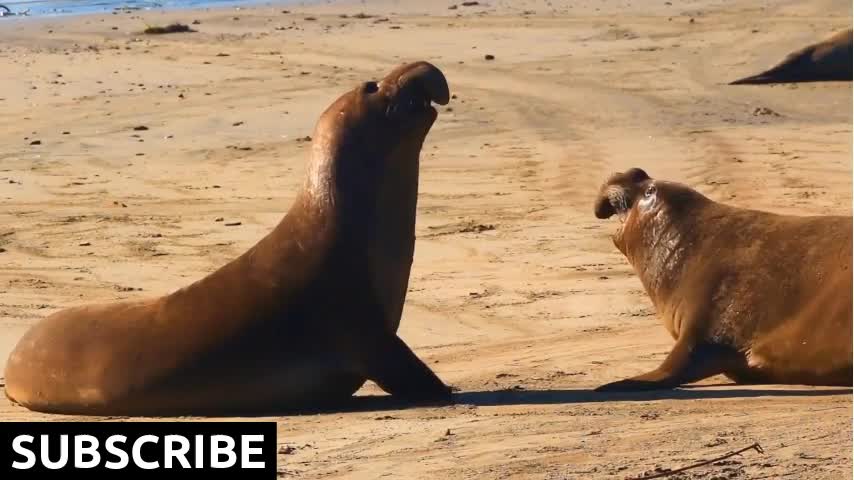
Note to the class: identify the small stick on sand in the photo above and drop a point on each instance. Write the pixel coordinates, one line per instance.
(668, 473)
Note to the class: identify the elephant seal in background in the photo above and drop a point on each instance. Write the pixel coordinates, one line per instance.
(756, 296)
(302, 319)
(827, 60)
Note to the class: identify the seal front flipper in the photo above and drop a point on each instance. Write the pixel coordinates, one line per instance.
(686, 363)
(398, 371)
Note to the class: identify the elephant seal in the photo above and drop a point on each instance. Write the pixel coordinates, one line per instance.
(827, 60)
(301, 319)
(756, 296)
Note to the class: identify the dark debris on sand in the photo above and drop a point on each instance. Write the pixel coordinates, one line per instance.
(172, 28)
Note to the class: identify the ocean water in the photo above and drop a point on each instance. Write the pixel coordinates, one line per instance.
(72, 7)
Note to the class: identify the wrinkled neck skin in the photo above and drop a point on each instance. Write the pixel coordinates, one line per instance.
(397, 202)
(370, 195)
(319, 185)
(656, 248)
(304, 236)
(381, 221)
(368, 202)
(393, 246)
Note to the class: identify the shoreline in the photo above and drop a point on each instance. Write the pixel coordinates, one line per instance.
(201, 6)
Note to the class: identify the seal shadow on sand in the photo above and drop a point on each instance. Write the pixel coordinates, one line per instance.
(496, 398)
(583, 395)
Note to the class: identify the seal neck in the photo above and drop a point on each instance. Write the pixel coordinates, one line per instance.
(660, 256)
(369, 197)
(658, 247)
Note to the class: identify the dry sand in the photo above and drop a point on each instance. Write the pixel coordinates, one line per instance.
(518, 297)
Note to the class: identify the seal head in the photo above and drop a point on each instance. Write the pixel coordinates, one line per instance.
(646, 209)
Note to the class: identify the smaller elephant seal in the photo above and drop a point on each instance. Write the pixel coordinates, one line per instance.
(756, 296)
(299, 321)
(828, 60)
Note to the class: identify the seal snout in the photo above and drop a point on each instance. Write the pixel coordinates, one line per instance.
(422, 79)
(603, 209)
(617, 194)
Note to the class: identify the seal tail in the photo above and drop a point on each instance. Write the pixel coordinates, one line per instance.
(795, 67)
(780, 73)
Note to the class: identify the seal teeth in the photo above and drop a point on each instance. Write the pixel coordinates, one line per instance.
(413, 103)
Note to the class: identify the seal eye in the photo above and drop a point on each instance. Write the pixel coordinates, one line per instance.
(650, 191)
(370, 87)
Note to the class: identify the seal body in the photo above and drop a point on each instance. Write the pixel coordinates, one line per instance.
(756, 296)
(300, 320)
(827, 60)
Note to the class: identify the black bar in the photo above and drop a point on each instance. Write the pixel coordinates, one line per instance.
(141, 452)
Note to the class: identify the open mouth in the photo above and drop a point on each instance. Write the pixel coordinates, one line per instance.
(620, 206)
(418, 88)
(619, 202)
(409, 103)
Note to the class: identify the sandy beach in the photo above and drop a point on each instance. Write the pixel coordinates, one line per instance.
(133, 165)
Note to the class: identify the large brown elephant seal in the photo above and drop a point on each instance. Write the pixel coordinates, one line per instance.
(756, 296)
(301, 319)
(827, 60)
